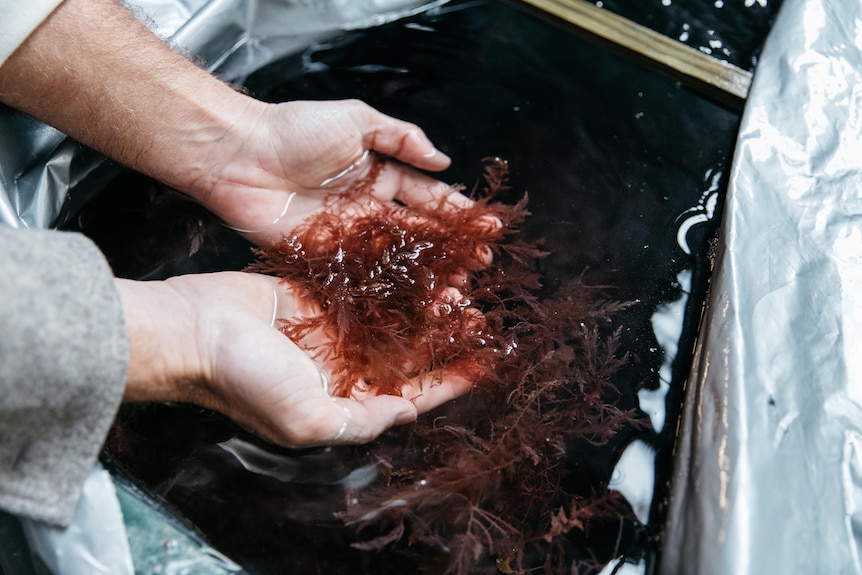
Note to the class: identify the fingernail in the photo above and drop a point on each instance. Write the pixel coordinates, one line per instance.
(438, 155)
(420, 138)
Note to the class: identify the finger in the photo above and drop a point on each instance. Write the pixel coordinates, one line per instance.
(430, 391)
(485, 255)
(403, 141)
(458, 281)
(416, 189)
(364, 421)
(448, 298)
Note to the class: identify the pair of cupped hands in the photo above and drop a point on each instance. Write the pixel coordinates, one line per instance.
(213, 339)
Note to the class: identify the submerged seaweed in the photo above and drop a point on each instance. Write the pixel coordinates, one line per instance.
(491, 483)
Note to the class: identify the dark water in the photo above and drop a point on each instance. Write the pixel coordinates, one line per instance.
(730, 30)
(611, 154)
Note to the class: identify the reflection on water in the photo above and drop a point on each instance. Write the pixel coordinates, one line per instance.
(614, 158)
(729, 31)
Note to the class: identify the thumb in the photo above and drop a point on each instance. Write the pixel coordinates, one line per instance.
(363, 421)
(403, 141)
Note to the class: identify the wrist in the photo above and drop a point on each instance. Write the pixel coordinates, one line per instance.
(223, 124)
(163, 364)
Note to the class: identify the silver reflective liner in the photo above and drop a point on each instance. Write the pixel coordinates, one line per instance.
(768, 477)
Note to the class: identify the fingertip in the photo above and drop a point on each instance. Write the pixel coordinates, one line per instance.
(437, 160)
(485, 255)
(448, 298)
(402, 140)
(404, 410)
(418, 150)
(462, 386)
(493, 223)
(381, 412)
(409, 415)
(432, 393)
(408, 143)
(458, 280)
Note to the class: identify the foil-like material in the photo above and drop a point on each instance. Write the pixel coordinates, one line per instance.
(768, 477)
(44, 175)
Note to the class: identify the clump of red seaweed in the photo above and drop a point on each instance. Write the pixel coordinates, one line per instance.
(493, 483)
(382, 278)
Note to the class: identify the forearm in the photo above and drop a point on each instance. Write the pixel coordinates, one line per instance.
(94, 72)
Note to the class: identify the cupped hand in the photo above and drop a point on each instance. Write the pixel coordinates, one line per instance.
(210, 339)
(290, 157)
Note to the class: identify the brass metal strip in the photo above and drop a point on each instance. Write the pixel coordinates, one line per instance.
(731, 81)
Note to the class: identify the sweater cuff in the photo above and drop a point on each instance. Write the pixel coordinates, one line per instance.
(19, 20)
(64, 353)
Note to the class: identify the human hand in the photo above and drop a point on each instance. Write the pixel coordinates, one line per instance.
(290, 157)
(209, 339)
(159, 114)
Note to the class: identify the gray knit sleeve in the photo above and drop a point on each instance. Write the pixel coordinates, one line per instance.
(63, 361)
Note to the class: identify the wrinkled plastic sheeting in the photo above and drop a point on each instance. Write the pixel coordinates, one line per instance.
(95, 541)
(236, 37)
(118, 530)
(44, 176)
(769, 471)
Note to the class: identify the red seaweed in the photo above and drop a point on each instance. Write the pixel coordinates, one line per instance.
(382, 278)
(493, 477)
(496, 480)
